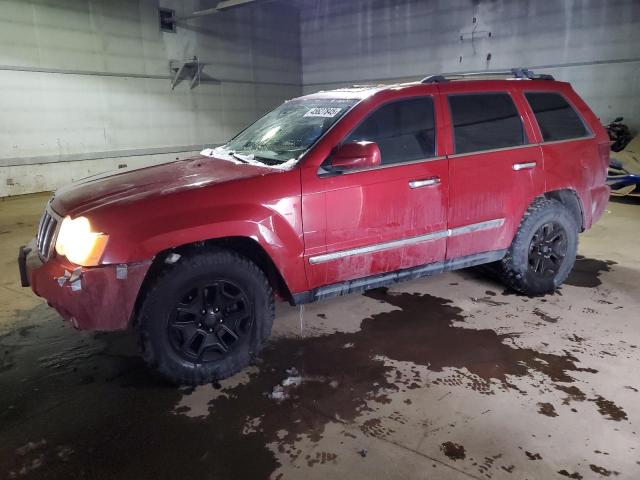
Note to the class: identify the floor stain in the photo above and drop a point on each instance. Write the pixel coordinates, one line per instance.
(547, 409)
(488, 464)
(343, 375)
(606, 408)
(424, 333)
(609, 409)
(489, 301)
(574, 475)
(545, 316)
(586, 272)
(602, 471)
(453, 451)
(320, 458)
(55, 425)
(573, 394)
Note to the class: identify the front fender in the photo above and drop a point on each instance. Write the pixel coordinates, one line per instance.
(185, 219)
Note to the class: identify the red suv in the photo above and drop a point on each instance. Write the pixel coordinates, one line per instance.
(328, 194)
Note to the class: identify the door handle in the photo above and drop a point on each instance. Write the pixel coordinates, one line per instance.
(427, 182)
(524, 166)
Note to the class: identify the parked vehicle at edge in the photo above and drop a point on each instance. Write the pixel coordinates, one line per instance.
(328, 194)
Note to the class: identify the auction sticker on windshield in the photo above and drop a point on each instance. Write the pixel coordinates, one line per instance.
(326, 112)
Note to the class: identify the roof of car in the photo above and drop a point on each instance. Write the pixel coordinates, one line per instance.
(359, 92)
(355, 92)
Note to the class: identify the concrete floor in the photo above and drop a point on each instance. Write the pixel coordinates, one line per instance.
(447, 377)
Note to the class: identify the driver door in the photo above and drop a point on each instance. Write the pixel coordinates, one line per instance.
(384, 218)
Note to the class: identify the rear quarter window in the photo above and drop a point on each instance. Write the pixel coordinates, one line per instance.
(556, 118)
(485, 121)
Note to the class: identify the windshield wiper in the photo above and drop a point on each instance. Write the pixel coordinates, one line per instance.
(267, 161)
(255, 158)
(237, 156)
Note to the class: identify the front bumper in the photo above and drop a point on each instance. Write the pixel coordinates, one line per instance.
(98, 298)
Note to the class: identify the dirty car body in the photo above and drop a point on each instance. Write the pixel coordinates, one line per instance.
(150, 212)
(382, 184)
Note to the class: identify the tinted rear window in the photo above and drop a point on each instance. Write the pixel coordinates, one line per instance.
(556, 118)
(485, 121)
(404, 130)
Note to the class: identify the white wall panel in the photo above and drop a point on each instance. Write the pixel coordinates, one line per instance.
(364, 41)
(90, 78)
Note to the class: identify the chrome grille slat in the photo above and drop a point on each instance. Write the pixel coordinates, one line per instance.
(40, 225)
(46, 236)
(47, 230)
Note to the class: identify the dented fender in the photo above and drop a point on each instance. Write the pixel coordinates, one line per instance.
(268, 211)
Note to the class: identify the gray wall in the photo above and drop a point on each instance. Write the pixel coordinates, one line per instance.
(592, 43)
(85, 83)
(85, 86)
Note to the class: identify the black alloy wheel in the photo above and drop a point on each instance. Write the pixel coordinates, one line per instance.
(543, 250)
(210, 321)
(548, 249)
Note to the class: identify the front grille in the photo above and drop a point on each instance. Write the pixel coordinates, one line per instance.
(46, 234)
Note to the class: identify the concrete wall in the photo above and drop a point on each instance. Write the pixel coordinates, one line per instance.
(85, 84)
(591, 43)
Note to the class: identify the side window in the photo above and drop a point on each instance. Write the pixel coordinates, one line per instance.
(485, 121)
(556, 118)
(404, 130)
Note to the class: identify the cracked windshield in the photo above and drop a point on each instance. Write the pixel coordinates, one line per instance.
(287, 132)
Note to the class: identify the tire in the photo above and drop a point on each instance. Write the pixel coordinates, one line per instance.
(198, 307)
(535, 264)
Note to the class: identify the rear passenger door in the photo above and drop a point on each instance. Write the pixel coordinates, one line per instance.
(495, 167)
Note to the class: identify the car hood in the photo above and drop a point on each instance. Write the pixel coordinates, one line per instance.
(129, 185)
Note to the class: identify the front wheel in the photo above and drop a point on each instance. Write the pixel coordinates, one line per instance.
(543, 251)
(205, 317)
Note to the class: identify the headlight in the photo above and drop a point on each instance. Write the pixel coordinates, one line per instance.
(78, 243)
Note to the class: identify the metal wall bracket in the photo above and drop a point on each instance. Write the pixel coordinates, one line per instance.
(220, 6)
(190, 69)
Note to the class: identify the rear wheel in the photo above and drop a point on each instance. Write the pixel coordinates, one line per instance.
(205, 317)
(543, 251)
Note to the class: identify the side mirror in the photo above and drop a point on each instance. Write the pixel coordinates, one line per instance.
(356, 155)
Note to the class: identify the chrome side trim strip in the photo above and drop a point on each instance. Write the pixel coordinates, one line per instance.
(377, 247)
(478, 152)
(388, 165)
(541, 144)
(566, 140)
(474, 227)
(489, 224)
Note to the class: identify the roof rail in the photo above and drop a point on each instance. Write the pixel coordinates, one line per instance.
(520, 73)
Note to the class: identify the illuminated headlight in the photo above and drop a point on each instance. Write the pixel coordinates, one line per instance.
(79, 243)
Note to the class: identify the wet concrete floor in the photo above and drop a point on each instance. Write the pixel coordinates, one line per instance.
(447, 377)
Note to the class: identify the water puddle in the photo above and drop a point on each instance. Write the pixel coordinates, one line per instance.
(586, 272)
(112, 417)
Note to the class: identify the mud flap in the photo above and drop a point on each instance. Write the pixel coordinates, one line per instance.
(22, 265)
